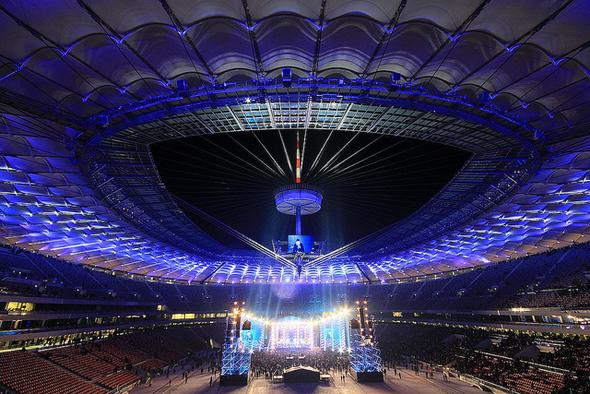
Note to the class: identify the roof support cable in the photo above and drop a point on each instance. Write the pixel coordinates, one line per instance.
(233, 232)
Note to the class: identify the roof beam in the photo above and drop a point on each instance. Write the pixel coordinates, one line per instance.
(379, 119)
(238, 235)
(567, 55)
(212, 273)
(253, 42)
(38, 108)
(583, 79)
(112, 31)
(386, 37)
(186, 37)
(51, 81)
(454, 37)
(570, 124)
(271, 115)
(240, 125)
(61, 51)
(318, 40)
(527, 35)
(363, 273)
(343, 119)
(536, 29)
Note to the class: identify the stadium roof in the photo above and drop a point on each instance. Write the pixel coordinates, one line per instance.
(87, 86)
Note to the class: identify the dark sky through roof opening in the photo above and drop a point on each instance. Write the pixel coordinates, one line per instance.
(369, 181)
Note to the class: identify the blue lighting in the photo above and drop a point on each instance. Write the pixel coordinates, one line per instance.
(49, 206)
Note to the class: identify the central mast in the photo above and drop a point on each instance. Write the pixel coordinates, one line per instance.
(298, 181)
(298, 199)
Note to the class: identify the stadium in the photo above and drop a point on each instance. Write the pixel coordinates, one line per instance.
(335, 196)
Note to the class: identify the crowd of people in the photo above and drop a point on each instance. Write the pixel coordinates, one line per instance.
(204, 362)
(571, 295)
(523, 362)
(266, 364)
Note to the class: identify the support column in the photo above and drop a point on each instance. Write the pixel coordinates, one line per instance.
(298, 221)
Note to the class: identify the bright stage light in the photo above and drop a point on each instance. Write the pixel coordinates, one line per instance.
(338, 314)
(328, 331)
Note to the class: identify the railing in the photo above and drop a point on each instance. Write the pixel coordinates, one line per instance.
(470, 379)
(543, 367)
(297, 186)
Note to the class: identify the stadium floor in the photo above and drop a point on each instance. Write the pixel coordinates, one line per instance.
(409, 383)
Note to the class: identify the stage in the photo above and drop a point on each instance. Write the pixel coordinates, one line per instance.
(299, 349)
(409, 384)
(301, 374)
(325, 331)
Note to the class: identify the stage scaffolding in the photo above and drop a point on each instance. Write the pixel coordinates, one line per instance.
(235, 358)
(365, 357)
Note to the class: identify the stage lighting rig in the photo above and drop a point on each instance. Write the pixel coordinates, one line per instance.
(235, 359)
(365, 356)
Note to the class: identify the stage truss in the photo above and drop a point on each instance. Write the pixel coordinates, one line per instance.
(235, 360)
(365, 356)
(236, 356)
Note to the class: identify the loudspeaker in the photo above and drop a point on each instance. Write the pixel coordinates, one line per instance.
(287, 75)
(181, 85)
